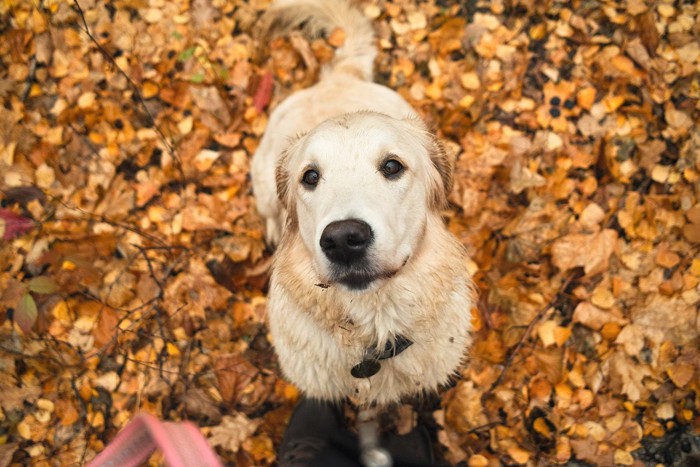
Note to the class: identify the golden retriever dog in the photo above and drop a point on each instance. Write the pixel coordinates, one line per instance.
(370, 296)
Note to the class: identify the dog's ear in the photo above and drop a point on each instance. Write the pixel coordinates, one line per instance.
(283, 177)
(444, 167)
(284, 190)
(440, 179)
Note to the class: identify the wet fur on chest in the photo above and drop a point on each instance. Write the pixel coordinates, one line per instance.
(323, 332)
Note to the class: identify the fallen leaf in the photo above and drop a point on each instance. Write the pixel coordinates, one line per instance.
(233, 430)
(593, 317)
(26, 313)
(264, 92)
(13, 225)
(591, 251)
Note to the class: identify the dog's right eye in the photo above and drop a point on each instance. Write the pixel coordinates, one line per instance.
(310, 178)
(391, 168)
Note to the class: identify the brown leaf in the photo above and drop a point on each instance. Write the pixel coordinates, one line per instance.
(233, 430)
(593, 317)
(200, 405)
(6, 453)
(26, 313)
(12, 397)
(647, 30)
(670, 316)
(67, 413)
(233, 374)
(490, 348)
(681, 374)
(591, 251)
(104, 331)
(465, 411)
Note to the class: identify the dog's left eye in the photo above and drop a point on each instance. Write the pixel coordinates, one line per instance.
(310, 178)
(391, 168)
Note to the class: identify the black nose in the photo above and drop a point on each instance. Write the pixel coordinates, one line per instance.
(344, 242)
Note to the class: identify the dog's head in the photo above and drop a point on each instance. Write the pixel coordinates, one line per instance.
(358, 189)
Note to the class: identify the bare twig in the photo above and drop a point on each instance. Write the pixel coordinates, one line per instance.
(528, 331)
(133, 84)
(30, 78)
(106, 220)
(161, 291)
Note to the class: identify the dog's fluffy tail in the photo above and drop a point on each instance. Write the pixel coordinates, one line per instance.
(315, 17)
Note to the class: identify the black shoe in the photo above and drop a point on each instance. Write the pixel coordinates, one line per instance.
(412, 449)
(314, 430)
(316, 436)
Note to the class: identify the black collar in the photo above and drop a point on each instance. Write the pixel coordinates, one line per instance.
(370, 366)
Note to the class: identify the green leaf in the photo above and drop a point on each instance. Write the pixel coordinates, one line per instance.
(186, 54)
(26, 313)
(223, 73)
(43, 285)
(197, 77)
(177, 35)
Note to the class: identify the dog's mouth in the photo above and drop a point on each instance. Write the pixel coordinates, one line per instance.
(357, 278)
(362, 280)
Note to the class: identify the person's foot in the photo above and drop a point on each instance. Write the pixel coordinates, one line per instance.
(413, 448)
(316, 436)
(311, 426)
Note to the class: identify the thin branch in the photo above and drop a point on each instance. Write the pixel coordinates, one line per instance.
(150, 268)
(133, 84)
(31, 76)
(528, 331)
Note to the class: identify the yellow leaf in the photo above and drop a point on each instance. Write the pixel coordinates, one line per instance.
(24, 430)
(623, 64)
(478, 460)
(45, 404)
(173, 351)
(602, 297)
(623, 457)
(150, 89)
(519, 454)
(470, 81)
(466, 101)
(612, 103)
(86, 100)
(546, 332)
(433, 91)
(96, 419)
(561, 335)
(695, 267)
(541, 426)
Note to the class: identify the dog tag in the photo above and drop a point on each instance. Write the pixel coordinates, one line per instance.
(401, 344)
(365, 369)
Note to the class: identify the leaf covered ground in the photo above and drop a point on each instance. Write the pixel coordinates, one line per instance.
(132, 263)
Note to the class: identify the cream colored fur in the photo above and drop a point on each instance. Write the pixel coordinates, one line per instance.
(420, 287)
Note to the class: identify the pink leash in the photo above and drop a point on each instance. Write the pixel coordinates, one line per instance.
(181, 443)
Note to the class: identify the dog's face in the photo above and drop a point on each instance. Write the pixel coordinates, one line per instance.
(358, 189)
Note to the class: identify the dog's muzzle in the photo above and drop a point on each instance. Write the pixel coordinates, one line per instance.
(345, 242)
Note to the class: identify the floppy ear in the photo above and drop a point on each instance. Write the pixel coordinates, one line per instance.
(438, 156)
(283, 177)
(440, 176)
